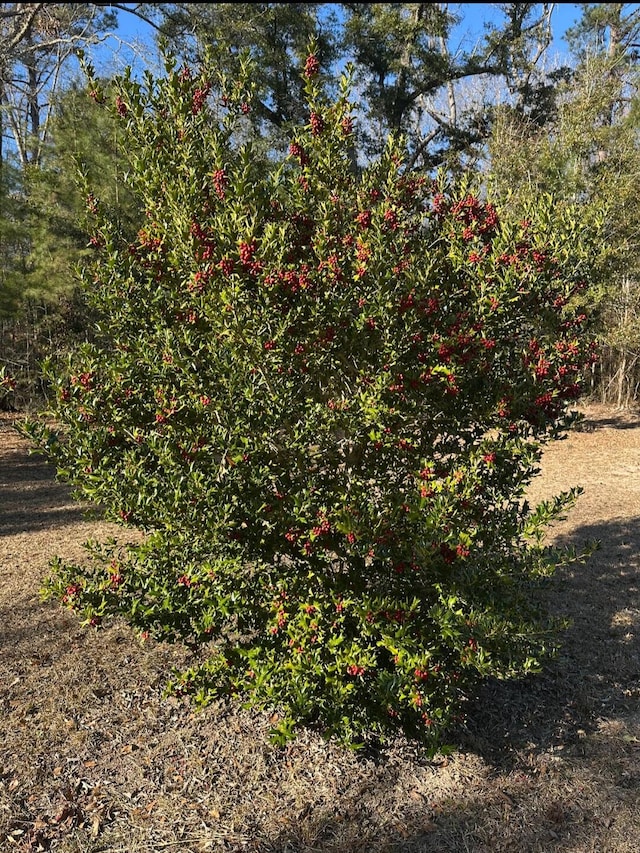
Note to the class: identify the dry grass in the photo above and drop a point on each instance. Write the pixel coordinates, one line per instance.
(93, 760)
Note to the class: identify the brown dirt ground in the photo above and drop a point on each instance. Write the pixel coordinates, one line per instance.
(94, 760)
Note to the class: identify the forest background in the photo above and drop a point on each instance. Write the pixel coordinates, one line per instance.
(509, 91)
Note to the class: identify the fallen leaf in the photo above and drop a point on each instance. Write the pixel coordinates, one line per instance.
(67, 811)
(95, 826)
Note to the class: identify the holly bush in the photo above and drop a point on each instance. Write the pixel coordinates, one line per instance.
(318, 393)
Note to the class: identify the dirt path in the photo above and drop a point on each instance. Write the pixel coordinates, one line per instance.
(92, 758)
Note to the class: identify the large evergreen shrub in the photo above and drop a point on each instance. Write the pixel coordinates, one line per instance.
(320, 394)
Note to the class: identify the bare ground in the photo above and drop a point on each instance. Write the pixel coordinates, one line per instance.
(94, 760)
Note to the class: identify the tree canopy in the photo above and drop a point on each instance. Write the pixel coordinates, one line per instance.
(498, 103)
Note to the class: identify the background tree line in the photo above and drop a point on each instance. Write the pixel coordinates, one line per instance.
(502, 107)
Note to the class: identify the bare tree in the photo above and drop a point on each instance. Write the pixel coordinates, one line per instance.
(36, 42)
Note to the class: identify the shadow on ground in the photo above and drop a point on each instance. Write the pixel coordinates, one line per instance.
(624, 419)
(582, 711)
(30, 498)
(597, 672)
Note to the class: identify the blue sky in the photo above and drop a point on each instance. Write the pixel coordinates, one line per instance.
(132, 31)
(474, 14)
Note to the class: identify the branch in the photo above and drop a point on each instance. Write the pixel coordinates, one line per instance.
(30, 11)
(124, 7)
(451, 92)
(18, 137)
(47, 121)
(421, 147)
